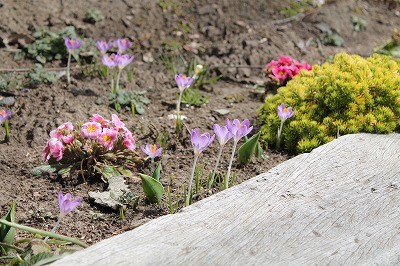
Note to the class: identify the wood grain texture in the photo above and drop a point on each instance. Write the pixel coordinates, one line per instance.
(339, 204)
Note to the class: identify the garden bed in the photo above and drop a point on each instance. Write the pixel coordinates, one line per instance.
(234, 40)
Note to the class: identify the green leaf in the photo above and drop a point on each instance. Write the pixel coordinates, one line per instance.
(64, 170)
(157, 172)
(139, 109)
(46, 168)
(7, 233)
(259, 150)
(152, 188)
(124, 172)
(108, 172)
(51, 168)
(248, 148)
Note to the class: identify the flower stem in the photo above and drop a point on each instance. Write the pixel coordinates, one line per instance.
(187, 203)
(43, 233)
(56, 225)
(228, 175)
(68, 65)
(178, 110)
(278, 139)
(117, 85)
(211, 181)
(7, 128)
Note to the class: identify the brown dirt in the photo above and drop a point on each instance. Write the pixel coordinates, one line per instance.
(241, 34)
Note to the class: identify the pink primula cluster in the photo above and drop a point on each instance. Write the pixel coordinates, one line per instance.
(98, 131)
(284, 69)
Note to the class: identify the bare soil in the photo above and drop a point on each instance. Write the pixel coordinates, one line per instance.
(233, 38)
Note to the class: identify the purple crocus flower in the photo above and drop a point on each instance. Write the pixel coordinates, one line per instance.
(123, 44)
(183, 81)
(66, 203)
(103, 46)
(239, 129)
(123, 60)
(223, 134)
(72, 43)
(152, 151)
(285, 112)
(5, 114)
(109, 60)
(200, 142)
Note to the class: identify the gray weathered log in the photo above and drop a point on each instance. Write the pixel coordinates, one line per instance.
(339, 205)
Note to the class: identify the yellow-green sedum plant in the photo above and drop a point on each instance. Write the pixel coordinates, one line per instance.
(349, 95)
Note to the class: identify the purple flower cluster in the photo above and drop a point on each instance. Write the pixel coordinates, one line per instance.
(235, 129)
(115, 59)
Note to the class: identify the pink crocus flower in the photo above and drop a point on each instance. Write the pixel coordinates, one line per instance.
(66, 203)
(5, 114)
(103, 46)
(109, 60)
(123, 44)
(152, 151)
(117, 122)
(239, 129)
(285, 113)
(100, 119)
(200, 141)
(183, 81)
(72, 43)
(223, 134)
(129, 141)
(91, 130)
(55, 148)
(123, 60)
(107, 138)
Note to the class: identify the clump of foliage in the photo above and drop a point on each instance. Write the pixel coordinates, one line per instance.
(391, 47)
(47, 45)
(38, 75)
(135, 100)
(349, 95)
(94, 15)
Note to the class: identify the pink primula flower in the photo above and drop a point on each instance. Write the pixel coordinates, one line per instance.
(107, 138)
(117, 122)
(285, 60)
(63, 133)
(129, 141)
(91, 130)
(54, 148)
(100, 119)
(281, 73)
